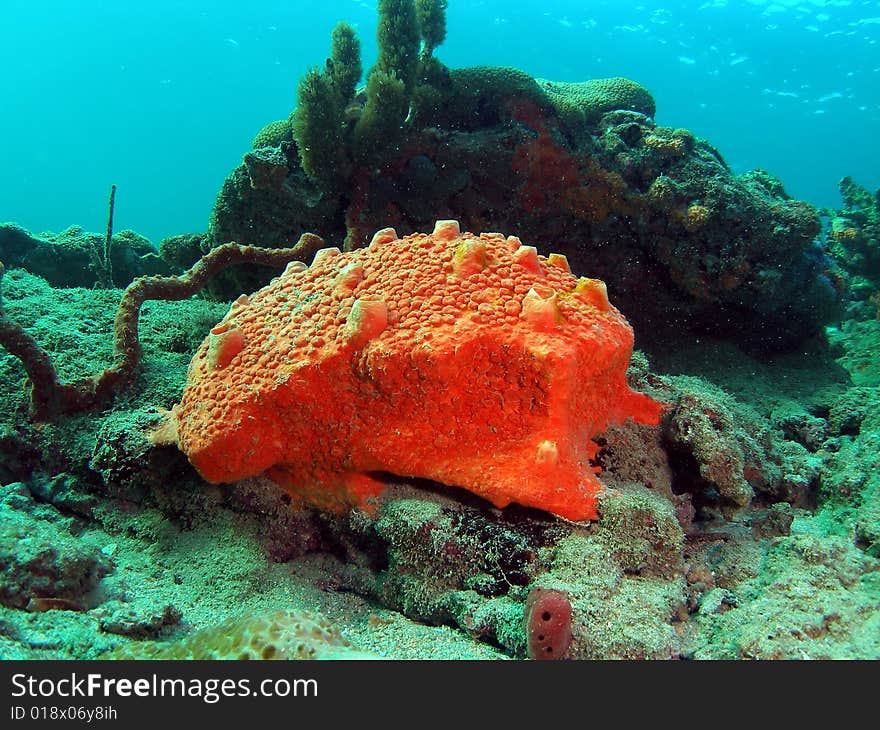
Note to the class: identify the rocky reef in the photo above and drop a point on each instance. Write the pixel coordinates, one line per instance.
(853, 234)
(577, 168)
(75, 258)
(755, 493)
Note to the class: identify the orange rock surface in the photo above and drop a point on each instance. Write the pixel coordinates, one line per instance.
(469, 360)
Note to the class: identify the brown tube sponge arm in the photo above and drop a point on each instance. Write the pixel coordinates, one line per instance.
(51, 398)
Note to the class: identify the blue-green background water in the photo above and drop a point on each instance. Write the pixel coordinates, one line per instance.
(163, 97)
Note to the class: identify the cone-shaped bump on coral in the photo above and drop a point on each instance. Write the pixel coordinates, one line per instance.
(407, 357)
(386, 235)
(349, 278)
(224, 343)
(446, 231)
(295, 267)
(325, 254)
(368, 319)
(527, 257)
(539, 308)
(470, 257)
(559, 260)
(594, 292)
(547, 453)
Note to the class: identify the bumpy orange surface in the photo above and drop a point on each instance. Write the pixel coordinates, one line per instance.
(469, 360)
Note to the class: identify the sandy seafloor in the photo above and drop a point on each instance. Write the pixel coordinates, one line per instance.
(179, 556)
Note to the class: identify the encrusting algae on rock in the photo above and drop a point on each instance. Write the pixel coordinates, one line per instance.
(469, 360)
(281, 634)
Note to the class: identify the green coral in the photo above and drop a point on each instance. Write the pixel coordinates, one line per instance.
(479, 96)
(399, 88)
(273, 134)
(319, 120)
(182, 251)
(855, 238)
(805, 596)
(73, 257)
(616, 613)
(584, 102)
(639, 528)
(860, 204)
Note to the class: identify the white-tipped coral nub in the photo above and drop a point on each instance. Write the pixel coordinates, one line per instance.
(380, 238)
(224, 343)
(446, 230)
(527, 257)
(469, 257)
(325, 254)
(558, 261)
(347, 279)
(368, 319)
(295, 267)
(513, 243)
(243, 300)
(539, 309)
(593, 292)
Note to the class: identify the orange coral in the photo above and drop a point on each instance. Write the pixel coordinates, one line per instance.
(469, 360)
(845, 235)
(696, 218)
(600, 194)
(553, 177)
(549, 172)
(667, 146)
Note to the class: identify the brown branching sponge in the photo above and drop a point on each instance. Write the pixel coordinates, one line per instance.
(108, 239)
(400, 85)
(431, 19)
(51, 398)
(318, 122)
(380, 127)
(344, 64)
(398, 39)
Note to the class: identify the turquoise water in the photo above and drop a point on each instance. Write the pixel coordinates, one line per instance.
(163, 98)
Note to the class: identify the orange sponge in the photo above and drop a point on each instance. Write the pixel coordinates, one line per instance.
(469, 360)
